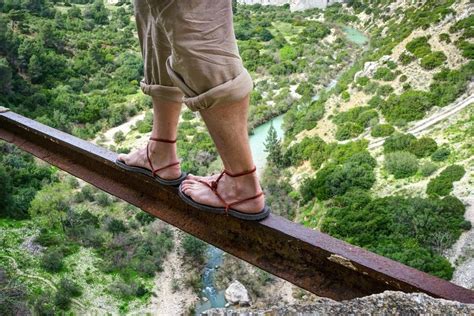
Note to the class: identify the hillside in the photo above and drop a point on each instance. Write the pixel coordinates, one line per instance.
(376, 148)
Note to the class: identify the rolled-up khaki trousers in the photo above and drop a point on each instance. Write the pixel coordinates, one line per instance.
(190, 52)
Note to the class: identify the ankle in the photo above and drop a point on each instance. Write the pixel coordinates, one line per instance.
(248, 183)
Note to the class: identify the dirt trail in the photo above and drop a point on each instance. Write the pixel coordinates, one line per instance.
(36, 277)
(166, 301)
(423, 124)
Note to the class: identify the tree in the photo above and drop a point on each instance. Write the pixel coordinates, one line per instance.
(273, 147)
(423, 147)
(401, 164)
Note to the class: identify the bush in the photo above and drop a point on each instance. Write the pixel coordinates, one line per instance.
(194, 247)
(385, 74)
(348, 130)
(433, 60)
(52, 260)
(441, 154)
(423, 147)
(419, 46)
(70, 287)
(409, 106)
(401, 164)
(443, 184)
(119, 137)
(382, 130)
(427, 169)
(398, 142)
(406, 58)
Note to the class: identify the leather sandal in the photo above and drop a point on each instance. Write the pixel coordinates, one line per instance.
(227, 209)
(152, 171)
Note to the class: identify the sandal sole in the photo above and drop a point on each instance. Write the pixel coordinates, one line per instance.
(221, 210)
(147, 172)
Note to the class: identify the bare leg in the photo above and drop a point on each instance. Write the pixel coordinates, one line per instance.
(165, 123)
(227, 125)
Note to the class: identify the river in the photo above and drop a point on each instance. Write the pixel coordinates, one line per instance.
(213, 297)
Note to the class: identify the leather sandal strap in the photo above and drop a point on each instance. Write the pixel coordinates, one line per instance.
(213, 187)
(153, 170)
(167, 166)
(247, 199)
(243, 173)
(163, 140)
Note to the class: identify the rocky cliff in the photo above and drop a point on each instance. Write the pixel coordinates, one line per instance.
(387, 303)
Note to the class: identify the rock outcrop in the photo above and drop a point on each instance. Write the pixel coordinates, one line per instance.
(236, 293)
(387, 303)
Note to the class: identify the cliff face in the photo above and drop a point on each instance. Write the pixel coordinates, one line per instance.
(295, 5)
(387, 303)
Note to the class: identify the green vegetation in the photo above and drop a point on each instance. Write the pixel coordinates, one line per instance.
(419, 47)
(20, 179)
(401, 164)
(433, 60)
(382, 130)
(409, 230)
(336, 179)
(443, 184)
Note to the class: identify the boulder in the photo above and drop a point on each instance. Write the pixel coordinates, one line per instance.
(369, 69)
(236, 293)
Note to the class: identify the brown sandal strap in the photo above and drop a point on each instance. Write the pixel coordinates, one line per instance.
(213, 187)
(153, 170)
(167, 166)
(163, 140)
(243, 173)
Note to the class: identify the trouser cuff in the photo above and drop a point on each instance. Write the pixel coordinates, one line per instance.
(168, 93)
(228, 92)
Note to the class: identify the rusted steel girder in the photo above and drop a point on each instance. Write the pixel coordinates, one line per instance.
(307, 258)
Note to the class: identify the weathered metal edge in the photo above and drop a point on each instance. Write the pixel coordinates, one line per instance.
(310, 259)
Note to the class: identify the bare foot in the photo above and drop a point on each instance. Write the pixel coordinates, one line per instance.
(231, 189)
(161, 154)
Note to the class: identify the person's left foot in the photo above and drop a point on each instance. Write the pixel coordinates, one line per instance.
(161, 154)
(231, 189)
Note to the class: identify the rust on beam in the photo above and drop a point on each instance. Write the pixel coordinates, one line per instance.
(307, 258)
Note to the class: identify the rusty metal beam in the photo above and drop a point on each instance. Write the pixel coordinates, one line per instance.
(307, 258)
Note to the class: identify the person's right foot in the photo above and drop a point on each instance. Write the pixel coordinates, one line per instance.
(230, 188)
(161, 154)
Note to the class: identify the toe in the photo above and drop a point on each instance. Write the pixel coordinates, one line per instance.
(122, 157)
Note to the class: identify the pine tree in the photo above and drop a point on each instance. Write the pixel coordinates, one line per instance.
(273, 147)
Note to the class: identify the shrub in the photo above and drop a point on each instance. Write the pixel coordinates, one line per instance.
(419, 46)
(365, 118)
(433, 60)
(444, 37)
(116, 226)
(401, 164)
(385, 74)
(406, 58)
(453, 206)
(382, 130)
(398, 142)
(119, 137)
(427, 169)
(441, 154)
(70, 287)
(194, 247)
(423, 147)
(52, 260)
(409, 106)
(443, 184)
(348, 130)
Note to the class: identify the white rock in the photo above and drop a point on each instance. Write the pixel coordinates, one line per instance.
(236, 293)
(369, 69)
